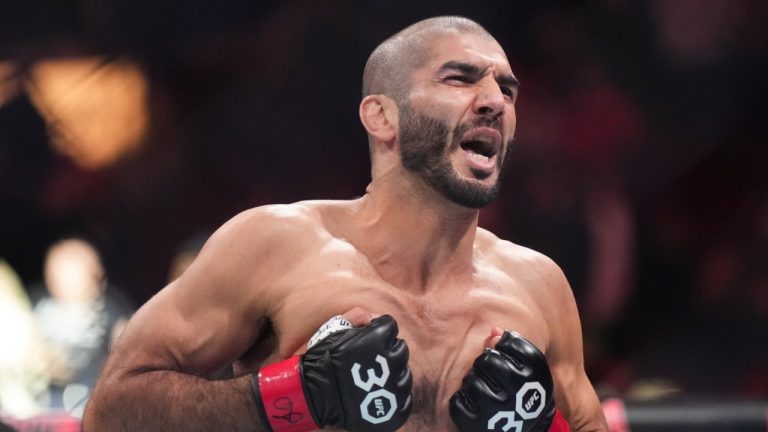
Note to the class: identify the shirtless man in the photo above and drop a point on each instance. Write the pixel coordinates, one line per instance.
(439, 109)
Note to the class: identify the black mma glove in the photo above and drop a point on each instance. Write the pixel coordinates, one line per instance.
(509, 388)
(357, 379)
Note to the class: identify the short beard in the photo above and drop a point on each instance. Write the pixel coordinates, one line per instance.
(425, 146)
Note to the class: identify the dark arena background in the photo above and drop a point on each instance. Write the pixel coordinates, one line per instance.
(138, 127)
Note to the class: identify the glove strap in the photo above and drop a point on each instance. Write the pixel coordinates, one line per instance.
(282, 397)
(559, 424)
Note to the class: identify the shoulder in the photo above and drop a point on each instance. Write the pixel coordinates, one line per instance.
(540, 276)
(254, 249)
(520, 260)
(273, 232)
(272, 225)
(273, 219)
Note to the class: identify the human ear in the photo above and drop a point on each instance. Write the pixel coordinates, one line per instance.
(378, 113)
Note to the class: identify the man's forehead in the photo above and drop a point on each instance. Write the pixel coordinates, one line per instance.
(469, 48)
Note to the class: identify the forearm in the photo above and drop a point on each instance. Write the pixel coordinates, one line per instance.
(168, 400)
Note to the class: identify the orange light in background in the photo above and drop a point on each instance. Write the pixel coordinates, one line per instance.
(96, 110)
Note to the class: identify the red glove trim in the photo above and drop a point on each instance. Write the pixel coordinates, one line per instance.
(283, 397)
(559, 424)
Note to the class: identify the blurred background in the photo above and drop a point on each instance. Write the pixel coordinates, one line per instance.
(130, 130)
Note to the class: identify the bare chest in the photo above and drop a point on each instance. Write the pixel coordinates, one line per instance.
(445, 328)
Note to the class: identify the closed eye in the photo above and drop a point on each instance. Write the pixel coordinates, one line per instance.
(509, 92)
(459, 78)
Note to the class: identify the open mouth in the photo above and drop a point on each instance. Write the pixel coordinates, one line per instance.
(482, 148)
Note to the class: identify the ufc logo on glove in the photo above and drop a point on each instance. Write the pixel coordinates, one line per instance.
(509, 388)
(379, 413)
(529, 404)
(327, 386)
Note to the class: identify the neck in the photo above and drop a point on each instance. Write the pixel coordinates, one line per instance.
(413, 236)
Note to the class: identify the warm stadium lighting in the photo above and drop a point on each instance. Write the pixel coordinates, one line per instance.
(95, 109)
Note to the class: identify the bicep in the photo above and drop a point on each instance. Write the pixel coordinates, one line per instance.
(177, 330)
(197, 324)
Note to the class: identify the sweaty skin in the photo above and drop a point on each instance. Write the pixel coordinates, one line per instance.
(269, 277)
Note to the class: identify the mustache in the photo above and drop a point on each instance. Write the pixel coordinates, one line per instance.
(486, 121)
(482, 121)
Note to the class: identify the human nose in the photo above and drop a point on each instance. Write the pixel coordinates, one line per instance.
(490, 99)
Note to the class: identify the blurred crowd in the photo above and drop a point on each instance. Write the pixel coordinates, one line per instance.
(56, 336)
(639, 167)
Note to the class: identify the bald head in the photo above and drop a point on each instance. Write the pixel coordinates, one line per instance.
(388, 69)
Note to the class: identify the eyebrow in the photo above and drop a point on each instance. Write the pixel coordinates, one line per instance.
(507, 80)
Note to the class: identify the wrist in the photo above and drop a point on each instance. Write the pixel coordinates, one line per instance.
(280, 397)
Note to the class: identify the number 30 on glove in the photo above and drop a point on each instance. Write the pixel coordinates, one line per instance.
(357, 379)
(508, 389)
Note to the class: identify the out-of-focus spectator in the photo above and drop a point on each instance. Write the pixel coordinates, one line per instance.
(23, 376)
(78, 319)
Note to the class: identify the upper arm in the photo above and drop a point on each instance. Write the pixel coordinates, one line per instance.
(575, 397)
(215, 311)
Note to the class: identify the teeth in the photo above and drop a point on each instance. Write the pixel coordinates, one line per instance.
(478, 157)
